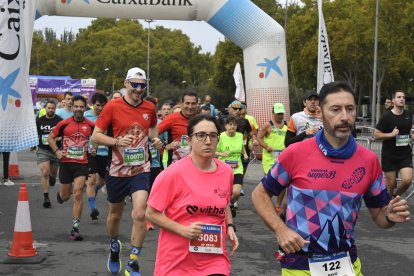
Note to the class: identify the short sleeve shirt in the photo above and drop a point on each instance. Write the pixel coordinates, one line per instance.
(127, 119)
(44, 127)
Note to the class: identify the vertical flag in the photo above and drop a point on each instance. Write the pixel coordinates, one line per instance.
(238, 79)
(17, 121)
(325, 71)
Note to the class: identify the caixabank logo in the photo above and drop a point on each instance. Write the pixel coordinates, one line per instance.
(137, 2)
(9, 52)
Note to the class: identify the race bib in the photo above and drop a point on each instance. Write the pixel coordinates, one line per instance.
(75, 152)
(209, 240)
(331, 264)
(44, 139)
(234, 164)
(134, 156)
(402, 140)
(153, 151)
(184, 142)
(276, 153)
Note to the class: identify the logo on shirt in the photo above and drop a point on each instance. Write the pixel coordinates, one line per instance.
(321, 173)
(145, 116)
(220, 193)
(209, 210)
(356, 177)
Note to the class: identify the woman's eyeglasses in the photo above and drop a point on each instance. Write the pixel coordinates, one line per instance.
(202, 136)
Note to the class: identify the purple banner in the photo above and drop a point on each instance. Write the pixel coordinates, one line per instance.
(52, 86)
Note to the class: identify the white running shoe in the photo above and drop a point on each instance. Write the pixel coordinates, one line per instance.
(7, 182)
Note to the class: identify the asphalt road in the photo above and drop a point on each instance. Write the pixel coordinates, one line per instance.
(383, 252)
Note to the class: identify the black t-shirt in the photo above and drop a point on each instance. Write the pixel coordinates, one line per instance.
(403, 123)
(44, 126)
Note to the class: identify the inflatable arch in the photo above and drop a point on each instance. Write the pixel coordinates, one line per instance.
(261, 38)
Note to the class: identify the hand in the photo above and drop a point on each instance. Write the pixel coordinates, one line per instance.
(156, 143)
(395, 132)
(173, 145)
(233, 240)
(125, 141)
(225, 154)
(193, 231)
(92, 151)
(269, 149)
(312, 130)
(246, 157)
(61, 153)
(290, 241)
(398, 210)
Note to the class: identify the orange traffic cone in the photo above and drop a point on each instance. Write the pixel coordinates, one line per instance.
(22, 250)
(13, 166)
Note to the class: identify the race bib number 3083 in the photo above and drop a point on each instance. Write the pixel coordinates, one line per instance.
(209, 240)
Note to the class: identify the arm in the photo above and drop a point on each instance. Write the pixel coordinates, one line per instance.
(99, 137)
(292, 138)
(396, 211)
(379, 135)
(231, 233)
(153, 134)
(51, 139)
(158, 218)
(289, 240)
(245, 156)
(263, 132)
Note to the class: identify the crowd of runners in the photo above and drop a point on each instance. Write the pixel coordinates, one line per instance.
(182, 166)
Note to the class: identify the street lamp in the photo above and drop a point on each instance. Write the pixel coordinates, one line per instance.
(148, 56)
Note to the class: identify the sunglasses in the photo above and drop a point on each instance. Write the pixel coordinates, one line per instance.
(141, 85)
(237, 108)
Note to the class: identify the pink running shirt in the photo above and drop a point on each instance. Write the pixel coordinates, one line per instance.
(185, 194)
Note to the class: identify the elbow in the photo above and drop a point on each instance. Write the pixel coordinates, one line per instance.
(149, 214)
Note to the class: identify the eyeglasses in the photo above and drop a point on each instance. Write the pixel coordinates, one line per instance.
(141, 85)
(237, 108)
(202, 136)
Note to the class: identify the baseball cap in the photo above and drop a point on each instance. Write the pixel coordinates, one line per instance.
(236, 104)
(278, 108)
(309, 94)
(136, 73)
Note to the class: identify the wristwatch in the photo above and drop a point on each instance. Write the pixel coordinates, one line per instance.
(232, 225)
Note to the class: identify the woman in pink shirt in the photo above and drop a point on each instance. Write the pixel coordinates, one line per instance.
(189, 201)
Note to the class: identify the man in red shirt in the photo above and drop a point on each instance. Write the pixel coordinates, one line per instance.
(75, 132)
(132, 120)
(176, 125)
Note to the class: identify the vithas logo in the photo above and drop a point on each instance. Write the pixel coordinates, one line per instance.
(192, 209)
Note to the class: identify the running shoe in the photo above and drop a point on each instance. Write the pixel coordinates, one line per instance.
(52, 181)
(7, 182)
(150, 226)
(132, 268)
(242, 192)
(114, 264)
(75, 235)
(58, 198)
(94, 214)
(46, 203)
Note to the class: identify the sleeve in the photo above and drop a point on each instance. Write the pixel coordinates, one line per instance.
(292, 138)
(383, 123)
(377, 195)
(291, 125)
(277, 179)
(56, 129)
(105, 117)
(248, 127)
(165, 124)
(154, 118)
(163, 191)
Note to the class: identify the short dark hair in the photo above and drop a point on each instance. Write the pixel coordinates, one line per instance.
(151, 99)
(190, 93)
(334, 87)
(395, 93)
(67, 93)
(230, 119)
(49, 101)
(79, 98)
(199, 118)
(99, 97)
(206, 107)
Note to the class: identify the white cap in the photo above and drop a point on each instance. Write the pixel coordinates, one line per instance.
(136, 73)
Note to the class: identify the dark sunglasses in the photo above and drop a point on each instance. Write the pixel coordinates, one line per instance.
(237, 108)
(141, 85)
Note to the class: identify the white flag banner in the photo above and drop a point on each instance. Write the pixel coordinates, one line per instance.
(325, 70)
(240, 94)
(17, 120)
